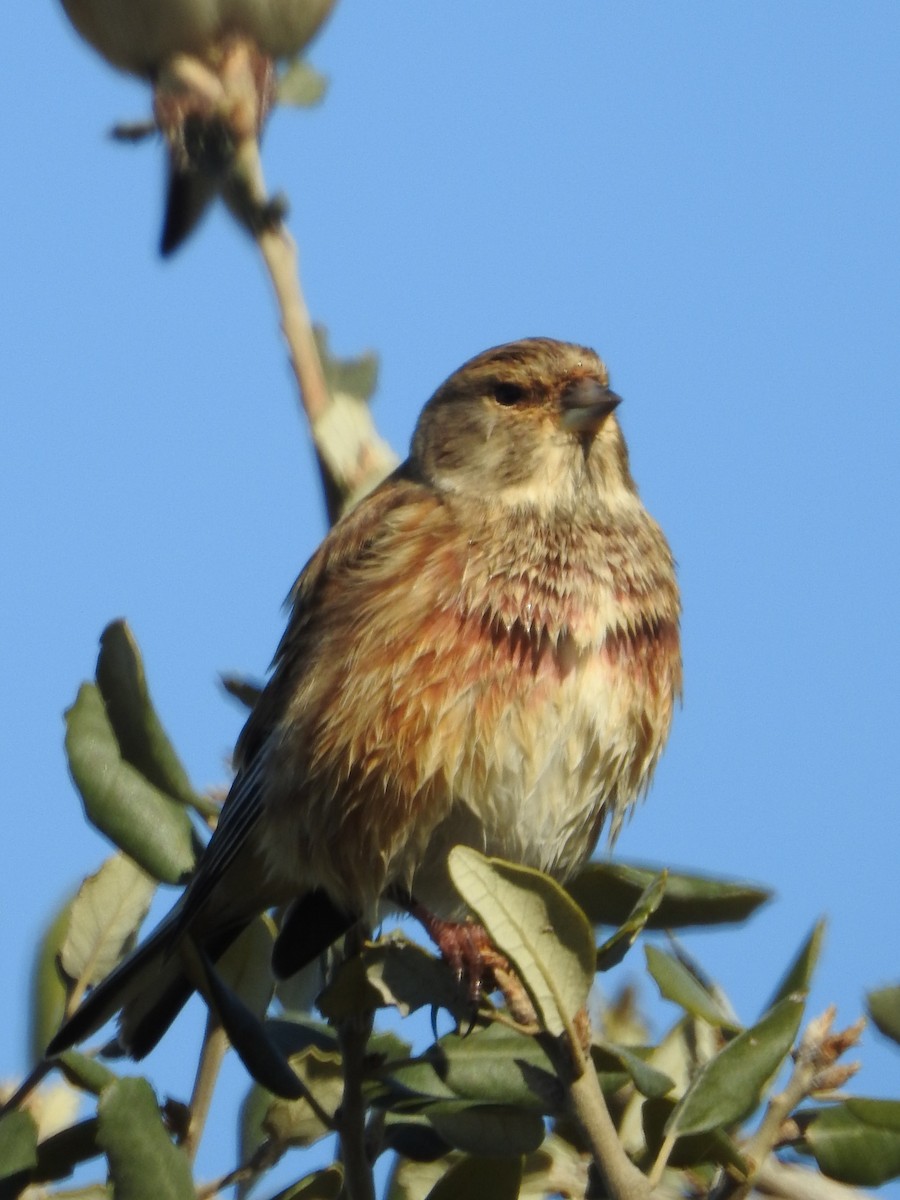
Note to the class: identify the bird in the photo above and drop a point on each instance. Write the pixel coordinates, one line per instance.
(211, 64)
(484, 651)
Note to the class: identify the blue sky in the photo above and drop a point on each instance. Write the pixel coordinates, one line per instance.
(707, 193)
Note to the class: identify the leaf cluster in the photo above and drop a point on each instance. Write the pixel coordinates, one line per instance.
(484, 1106)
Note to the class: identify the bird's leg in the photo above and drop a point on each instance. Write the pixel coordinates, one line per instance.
(466, 948)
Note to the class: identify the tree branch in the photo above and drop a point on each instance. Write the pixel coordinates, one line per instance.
(814, 1070)
(587, 1106)
(776, 1178)
(353, 457)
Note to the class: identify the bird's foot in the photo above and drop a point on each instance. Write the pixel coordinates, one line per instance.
(468, 951)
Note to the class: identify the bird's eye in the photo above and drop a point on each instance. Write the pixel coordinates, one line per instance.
(508, 394)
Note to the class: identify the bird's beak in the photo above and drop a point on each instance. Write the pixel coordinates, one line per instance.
(586, 405)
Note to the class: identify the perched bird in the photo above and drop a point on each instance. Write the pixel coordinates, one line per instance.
(484, 651)
(193, 52)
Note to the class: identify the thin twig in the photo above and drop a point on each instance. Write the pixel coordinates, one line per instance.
(215, 1046)
(353, 1038)
(263, 1159)
(587, 1105)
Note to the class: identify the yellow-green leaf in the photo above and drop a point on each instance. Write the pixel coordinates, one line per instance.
(104, 919)
(246, 965)
(293, 1121)
(533, 921)
(18, 1144)
(392, 973)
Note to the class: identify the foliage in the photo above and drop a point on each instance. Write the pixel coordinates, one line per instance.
(485, 1103)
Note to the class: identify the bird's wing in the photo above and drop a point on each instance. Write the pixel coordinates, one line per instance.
(357, 540)
(348, 543)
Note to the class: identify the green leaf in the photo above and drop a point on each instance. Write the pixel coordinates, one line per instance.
(143, 1162)
(299, 993)
(884, 1009)
(881, 1114)
(293, 1121)
(614, 949)
(693, 1150)
(679, 1054)
(480, 1179)
(857, 1142)
(104, 919)
(531, 920)
(246, 965)
(301, 85)
(413, 1138)
(798, 975)
(728, 1087)
(18, 1144)
(495, 1065)
(326, 1184)
(393, 973)
(647, 1079)
(676, 983)
(84, 1072)
(608, 892)
(251, 1134)
(142, 740)
(484, 1129)
(48, 992)
(148, 825)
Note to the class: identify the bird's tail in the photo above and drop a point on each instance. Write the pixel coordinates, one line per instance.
(150, 987)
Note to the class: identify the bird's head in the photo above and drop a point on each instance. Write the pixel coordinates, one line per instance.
(529, 423)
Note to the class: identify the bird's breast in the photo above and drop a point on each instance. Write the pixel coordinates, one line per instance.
(509, 704)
